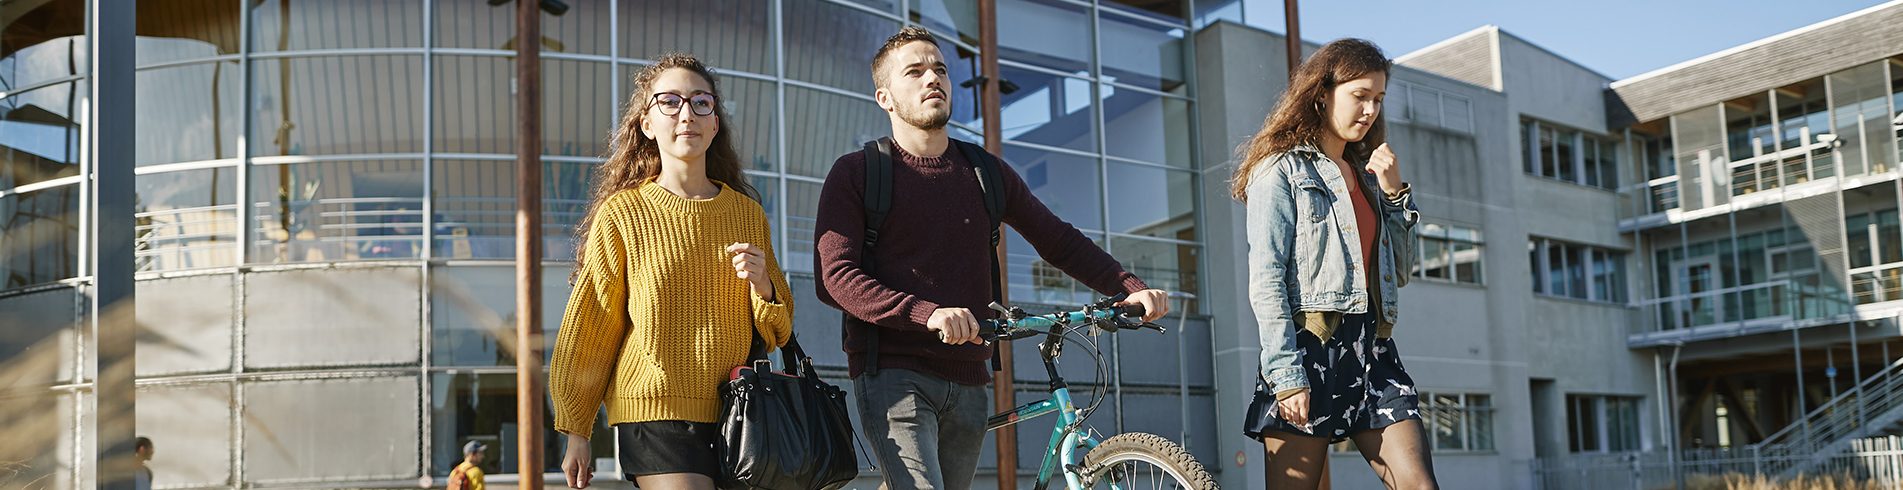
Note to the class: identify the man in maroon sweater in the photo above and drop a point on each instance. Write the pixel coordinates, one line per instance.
(924, 403)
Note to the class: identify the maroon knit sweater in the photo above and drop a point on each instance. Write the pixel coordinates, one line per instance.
(933, 252)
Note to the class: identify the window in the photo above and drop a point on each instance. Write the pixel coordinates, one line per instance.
(1425, 106)
(1577, 271)
(1450, 253)
(1598, 424)
(1456, 422)
(1568, 155)
(1876, 259)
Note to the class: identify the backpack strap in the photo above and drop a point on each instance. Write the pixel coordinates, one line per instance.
(991, 185)
(877, 204)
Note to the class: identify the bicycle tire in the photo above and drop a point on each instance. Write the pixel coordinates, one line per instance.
(1100, 464)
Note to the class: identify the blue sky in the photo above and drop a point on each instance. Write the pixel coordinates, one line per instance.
(1618, 38)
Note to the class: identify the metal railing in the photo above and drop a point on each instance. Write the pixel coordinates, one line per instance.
(1873, 406)
(1878, 459)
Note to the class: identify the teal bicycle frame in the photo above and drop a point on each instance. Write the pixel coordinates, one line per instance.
(1067, 437)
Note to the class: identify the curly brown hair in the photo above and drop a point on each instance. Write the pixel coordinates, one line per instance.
(1300, 117)
(634, 158)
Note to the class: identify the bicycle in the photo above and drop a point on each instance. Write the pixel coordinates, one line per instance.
(1117, 462)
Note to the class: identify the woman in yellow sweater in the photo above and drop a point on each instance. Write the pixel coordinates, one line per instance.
(674, 277)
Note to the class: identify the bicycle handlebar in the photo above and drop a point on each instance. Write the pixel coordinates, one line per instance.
(1104, 315)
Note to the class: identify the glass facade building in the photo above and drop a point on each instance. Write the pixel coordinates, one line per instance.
(325, 203)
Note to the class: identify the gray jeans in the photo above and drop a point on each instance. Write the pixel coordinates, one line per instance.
(926, 431)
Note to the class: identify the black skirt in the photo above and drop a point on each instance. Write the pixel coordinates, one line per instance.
(668, 446)
(1356, 383)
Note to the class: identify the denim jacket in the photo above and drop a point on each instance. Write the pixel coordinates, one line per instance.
(1303, 251)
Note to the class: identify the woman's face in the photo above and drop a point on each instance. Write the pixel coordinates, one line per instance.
(690, 129)
(1353, 106)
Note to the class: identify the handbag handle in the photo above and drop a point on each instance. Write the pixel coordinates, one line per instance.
(793, 357)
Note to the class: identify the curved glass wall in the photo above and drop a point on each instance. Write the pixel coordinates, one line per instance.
(326, 193)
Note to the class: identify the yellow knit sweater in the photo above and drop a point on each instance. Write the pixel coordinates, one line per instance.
(658, 319)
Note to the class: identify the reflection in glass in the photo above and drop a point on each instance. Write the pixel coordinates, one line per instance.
(1748, 128)
(474, 106)
(1141, 53)
(1160, 10)
(768, 188)
(468, 407)
(1861, 119)
(821, 126)
(39, 137)
(1066, 183)
(833, 45)
(475, 208)
(725, 34)
(309, 414)
(189, 113)
(336, 105)
(1152, 201)
(576, 116)
(1802, 106)
(1142, 126)
(191, 419)
(1163, 265)
(297, 25)
(478, 24)
(956, 17)
(472, 313)
(1034, 280)
(802, 204)
(43, 41)
(41, 231)
(1045, 33)
(176, 30)
(185, 220)
(1048, 110)
(322, 212)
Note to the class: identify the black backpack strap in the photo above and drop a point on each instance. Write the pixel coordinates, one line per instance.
(991, 184)
(878, 203)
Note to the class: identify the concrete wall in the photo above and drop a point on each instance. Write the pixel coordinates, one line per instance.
(1240, 72)
(1493, 339)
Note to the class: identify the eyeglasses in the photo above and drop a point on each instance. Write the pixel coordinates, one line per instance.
(670, 103)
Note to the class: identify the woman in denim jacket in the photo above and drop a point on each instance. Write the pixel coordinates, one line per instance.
(1331, 238)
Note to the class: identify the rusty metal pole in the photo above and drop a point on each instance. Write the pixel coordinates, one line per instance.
(1293, 21)
(528, 243)
(1003, 386)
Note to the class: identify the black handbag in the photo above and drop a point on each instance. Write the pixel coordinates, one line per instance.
(784, 430)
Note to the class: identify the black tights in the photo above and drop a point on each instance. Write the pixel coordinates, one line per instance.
(1398, 454)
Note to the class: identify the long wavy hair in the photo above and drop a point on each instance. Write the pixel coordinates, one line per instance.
(1301, 116)
(634, 158)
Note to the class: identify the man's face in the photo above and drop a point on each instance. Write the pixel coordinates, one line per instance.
(915, 86)
(145, 453)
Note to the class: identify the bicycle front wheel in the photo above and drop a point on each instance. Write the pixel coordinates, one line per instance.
(1144, 461)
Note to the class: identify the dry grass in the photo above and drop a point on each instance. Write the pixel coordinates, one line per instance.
(1736, 481)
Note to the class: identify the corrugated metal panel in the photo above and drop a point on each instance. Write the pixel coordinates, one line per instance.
(1805, 55)
(1468, 60)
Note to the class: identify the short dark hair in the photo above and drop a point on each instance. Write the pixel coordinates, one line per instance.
(908, 35)
(142, 443)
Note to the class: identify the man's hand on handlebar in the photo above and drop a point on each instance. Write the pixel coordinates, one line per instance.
(1155, 302)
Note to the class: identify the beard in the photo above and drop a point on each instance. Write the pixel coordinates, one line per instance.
(919, 116)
